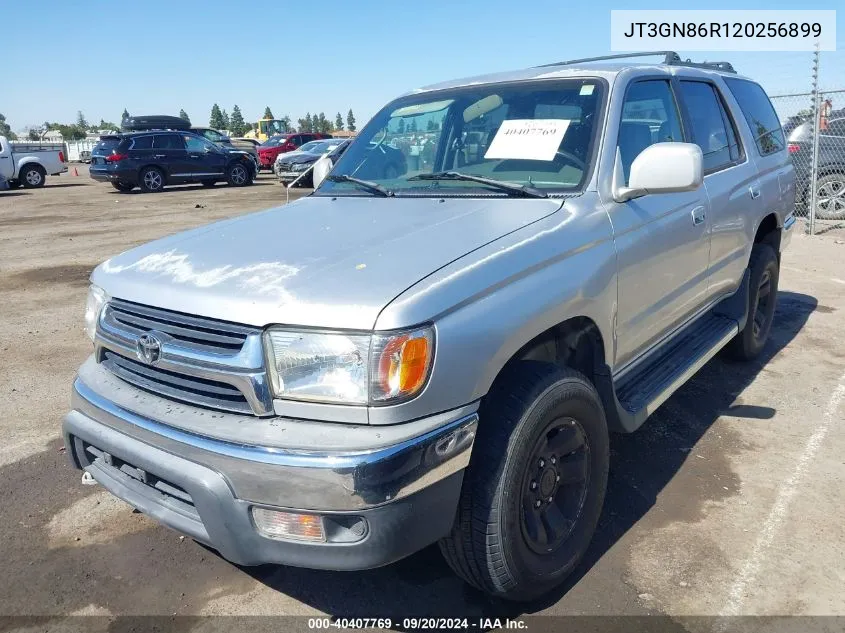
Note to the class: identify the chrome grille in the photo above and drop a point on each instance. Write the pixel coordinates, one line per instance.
(202, 361)
(210, 393)
(209, 334)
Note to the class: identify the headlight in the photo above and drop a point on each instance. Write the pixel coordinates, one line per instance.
(97, 299)
(348, 368)
(300, 166)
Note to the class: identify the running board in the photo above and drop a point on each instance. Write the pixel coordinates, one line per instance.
(639, 394)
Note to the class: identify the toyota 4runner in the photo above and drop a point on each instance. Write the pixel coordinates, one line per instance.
(439, 355)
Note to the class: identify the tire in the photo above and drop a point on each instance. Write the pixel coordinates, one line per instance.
(238, 175)
(830, 197)
(123, 187)
(32, 176)
(762, 298)
(209, 183)
(495, 544)
(151, 180)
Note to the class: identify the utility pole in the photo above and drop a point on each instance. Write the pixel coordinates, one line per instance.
(815, 130)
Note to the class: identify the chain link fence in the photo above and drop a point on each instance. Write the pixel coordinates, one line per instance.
(814, 126)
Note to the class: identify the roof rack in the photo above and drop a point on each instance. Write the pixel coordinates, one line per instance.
(670, 58)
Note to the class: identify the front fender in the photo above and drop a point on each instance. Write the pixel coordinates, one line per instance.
(487, 306)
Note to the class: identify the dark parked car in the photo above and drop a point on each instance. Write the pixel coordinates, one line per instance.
(281, 143)
(830, 201)
(216, 136)
(153, 159)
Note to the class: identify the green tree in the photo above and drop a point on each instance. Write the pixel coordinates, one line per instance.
(184, 115)
(302, 125)
(33, 135)
(338, 122)
(268, 113)
(236, 122)
(226, 121)
(413, 126)
(350, 121)
(107, 125)
(5, 128)
(324, 126)
(80, 120)
(401, 126)
(309, 122)
(286, 121)
(125, 115)
(216, 119)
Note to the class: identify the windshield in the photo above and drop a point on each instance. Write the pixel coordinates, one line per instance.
(310, 146)
(538, 133)
(274, 141)
(271, 127)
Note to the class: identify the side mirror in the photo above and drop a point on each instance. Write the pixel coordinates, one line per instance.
(322, 167)
(659, 168)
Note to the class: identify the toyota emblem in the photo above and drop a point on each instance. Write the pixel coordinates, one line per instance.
(148, 348)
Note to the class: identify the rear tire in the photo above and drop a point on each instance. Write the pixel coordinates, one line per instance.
(123, 187)
(535, 485)
(830, 197)
(32, 176)
(762, 299)
(151, 180)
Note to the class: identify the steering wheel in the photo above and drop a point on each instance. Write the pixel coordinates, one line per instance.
(572, 159)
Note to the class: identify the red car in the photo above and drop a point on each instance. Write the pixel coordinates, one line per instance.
(282, 143)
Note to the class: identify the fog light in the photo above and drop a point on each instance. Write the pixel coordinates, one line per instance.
(288, 525)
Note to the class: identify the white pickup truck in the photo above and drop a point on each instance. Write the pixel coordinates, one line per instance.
(29, 164)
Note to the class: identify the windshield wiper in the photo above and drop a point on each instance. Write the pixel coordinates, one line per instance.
(366, 184)
(525, 190)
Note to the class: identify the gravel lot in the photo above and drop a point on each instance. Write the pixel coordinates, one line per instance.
(727, 502)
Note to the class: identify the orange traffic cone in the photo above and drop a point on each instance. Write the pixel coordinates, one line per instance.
(75, 172)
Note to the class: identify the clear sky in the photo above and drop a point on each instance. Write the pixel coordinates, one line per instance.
(157, 57)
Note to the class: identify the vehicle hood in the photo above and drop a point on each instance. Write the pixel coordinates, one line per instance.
(331, 262)
(298, 157)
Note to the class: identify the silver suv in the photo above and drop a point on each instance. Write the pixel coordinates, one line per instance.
(438, 355)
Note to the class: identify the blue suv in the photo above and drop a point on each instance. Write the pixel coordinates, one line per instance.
(152, 160)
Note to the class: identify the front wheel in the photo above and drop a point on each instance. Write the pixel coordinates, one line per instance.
(33, 176)
(762, 297)
(238, 175)
(534, 489)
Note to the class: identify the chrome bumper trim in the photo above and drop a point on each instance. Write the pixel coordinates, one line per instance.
(314, 480)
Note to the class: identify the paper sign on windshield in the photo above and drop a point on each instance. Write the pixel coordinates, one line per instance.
(531, 139)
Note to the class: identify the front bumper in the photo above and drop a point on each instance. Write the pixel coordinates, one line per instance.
(377, 506)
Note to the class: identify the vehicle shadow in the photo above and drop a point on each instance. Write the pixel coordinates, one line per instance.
(67, 184)
(6, 194)
(423, 584)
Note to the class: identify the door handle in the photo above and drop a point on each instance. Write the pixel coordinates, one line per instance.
(698, 215)
(755, 192)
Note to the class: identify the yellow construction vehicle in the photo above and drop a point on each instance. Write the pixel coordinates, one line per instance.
(266, 128)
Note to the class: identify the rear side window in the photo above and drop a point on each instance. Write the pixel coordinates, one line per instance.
(712, 130)
(168, 141)
(142, 142)
(760, 114)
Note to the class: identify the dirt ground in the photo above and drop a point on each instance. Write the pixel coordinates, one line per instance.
(729, 501)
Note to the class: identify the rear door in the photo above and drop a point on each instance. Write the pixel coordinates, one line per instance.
(730, 179)
(207, 159)
(169, 154)
(767, 147)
